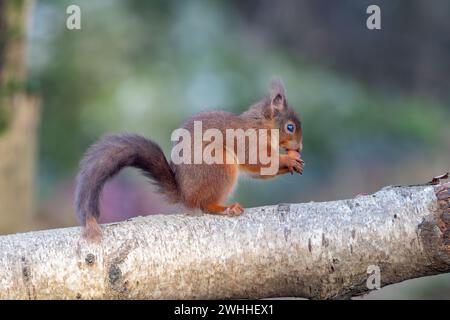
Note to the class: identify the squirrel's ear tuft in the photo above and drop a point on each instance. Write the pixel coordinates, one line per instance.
(277, 94)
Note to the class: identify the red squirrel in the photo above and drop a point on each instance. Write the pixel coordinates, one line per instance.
(196, 186)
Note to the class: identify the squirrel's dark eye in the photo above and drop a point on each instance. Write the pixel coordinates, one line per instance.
(290, 127)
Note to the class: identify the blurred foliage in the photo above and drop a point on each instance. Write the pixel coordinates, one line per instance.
(374, 104)
(145, 66)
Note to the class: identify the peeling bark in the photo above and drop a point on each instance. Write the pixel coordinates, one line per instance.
(310, 250)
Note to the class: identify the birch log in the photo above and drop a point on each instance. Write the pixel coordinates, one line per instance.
(311, 250)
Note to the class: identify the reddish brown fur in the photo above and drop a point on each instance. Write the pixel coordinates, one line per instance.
(197, 186)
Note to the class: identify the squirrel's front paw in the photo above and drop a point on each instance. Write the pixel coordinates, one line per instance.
(294, 163)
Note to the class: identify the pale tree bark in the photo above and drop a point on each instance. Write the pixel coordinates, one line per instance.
(19, 115)
(310, 250)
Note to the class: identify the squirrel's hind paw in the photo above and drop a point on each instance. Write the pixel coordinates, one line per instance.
(234, 210)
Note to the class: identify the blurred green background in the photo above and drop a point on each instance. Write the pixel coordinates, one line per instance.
(375, 105)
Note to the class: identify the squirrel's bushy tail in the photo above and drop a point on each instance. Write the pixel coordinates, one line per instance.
(107, 157)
